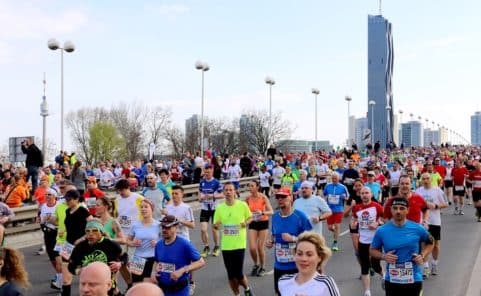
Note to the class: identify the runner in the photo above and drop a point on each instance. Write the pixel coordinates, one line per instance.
(460, 174)
(265, 178)
(232, 217)
(475, 180)
(335, 194)
(157, 194)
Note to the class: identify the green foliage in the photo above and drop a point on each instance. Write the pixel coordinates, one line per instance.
(105, 141)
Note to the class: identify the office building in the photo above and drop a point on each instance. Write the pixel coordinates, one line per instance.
(476, 128)
(361, 131)
(412, 134)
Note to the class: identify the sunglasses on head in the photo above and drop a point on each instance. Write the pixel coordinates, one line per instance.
(92, 230)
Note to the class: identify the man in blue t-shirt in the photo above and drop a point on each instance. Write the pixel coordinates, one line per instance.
(335, 194)
(398, 243)
(287, 224)
(175, 258)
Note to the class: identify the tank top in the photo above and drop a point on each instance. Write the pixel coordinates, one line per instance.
(109, 230)
(257, 204)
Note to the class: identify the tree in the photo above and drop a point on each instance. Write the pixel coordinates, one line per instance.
(256, 130)
(176, 140)
(158, 121)
(105, 141)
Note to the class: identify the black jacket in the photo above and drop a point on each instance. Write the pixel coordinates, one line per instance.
(34, 156)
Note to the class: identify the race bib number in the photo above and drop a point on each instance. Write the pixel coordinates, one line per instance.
(364, 225)
(165, 267)
(348, 181)
(91, 202)
(125, 221)
(256, 216)
(57, 248)
(333, 199)
(458, 188)
(285, 252)
(231, 230)
(137, 265)
(66, 250)
(401, 273)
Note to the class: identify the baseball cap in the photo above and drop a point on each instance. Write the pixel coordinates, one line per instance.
(284, 191)
(96, 225)
(169, 221)
(51, 191)
(306, 184)
(400, 201)
(371, 173)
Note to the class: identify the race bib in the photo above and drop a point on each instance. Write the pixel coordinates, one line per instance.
(137, 265)
(91, 202)
(66, 250)
(165, 267)
(401, 273)
(256, 216)
(364, 224)
(231, 230)
(57, 248)
(333, 199)
(285, 252)
(458, 188)
(125, 221)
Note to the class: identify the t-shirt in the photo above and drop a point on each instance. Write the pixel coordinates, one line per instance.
(375, 189)
(172, 257)
(84, 253)
(264, 179)
(319, 285)
(234, 236)
(294, 224)
(313, 206)
(46, 212)
(335, 195)
(405, 241)
(128, 210)
(183, 212)
(75, 223)
(146, 234)
(60, 212)
(459, 175)
(475, 178)
(277, 174)
(365, 215)
(433, 195)
(234, 173)
(10, 289)
(209, 187)
(436, 179)
(417, 205)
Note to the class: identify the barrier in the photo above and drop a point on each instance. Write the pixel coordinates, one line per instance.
(24, 220)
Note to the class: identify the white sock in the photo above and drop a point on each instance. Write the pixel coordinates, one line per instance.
(426, 264)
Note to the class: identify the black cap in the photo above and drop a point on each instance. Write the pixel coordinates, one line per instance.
(400, 201)
(169, 221)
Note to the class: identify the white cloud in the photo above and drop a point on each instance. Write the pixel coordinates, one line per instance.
(171, 11)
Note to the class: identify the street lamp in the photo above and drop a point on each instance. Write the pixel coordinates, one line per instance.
(401, 125)
(270, 81)
(203, 67)
(44, 114)
(68, 46)
(372, 103)
(388, 128)
(348, 100)
(315, 91)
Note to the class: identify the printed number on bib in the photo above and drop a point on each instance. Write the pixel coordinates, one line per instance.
(285, 252)
(137, 265)
(66, 250)
(458, 188)
(165, 267)
(231, 230)
(333, 199)
(125, 221)
(401, 273)
(91, 202)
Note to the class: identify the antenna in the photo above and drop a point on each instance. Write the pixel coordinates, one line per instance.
(44, 83)
(380, 7)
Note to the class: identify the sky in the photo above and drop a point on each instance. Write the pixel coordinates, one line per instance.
(145, 51)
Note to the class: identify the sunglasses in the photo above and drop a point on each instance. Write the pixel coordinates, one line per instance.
(166, 227)
(92, 230)
(281, 196)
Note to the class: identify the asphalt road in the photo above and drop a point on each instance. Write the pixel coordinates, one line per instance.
(461, 240)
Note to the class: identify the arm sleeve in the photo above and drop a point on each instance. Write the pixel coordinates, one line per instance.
(323, 206)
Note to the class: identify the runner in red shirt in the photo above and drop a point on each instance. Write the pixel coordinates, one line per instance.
(92, 194)
(475, 179)
(459, 174)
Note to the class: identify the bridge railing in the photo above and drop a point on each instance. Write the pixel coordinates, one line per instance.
(24, 220)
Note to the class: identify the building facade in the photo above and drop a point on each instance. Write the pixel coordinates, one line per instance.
(476, 128)
(412, 134)
(380, 71)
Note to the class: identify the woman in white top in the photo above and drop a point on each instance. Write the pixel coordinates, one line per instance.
(310, 257)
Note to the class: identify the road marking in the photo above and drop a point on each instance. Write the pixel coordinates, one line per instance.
(344, 233)
(270, 272)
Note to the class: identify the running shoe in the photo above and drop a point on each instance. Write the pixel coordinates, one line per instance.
(479, 219)
(371, 272)
(456, 212)
(255, 270)
(425, 272)
(261, 272)
(205, 252)
(461, 212)
(216, 251)
(54, 285)
(434, 269)
(367, 293)
(191, 289)
(334, 247)
(41, 251)
(248, 292)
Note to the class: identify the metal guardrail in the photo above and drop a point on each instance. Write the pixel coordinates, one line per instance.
(24, 220)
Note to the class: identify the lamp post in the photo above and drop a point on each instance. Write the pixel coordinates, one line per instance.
(203, 67)
(388, 127)
(372, 103)
(270, 81)
(348, 100)
(68, 46)
(44, 114)
(401, 125)
(315, 91)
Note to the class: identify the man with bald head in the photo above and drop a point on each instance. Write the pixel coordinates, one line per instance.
(95, 280)
(144, 289)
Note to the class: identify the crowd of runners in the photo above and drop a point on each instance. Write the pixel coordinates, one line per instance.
(131, 218)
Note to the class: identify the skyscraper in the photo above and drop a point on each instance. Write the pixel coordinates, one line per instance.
(380, 70)
(412, 134)
(476, 128)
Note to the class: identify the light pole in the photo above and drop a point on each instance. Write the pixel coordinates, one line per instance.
(203, 67)
(388, 128)
(372, 103)
(348, 100)
(270, 81)
(68, 46)
(401, 125)
(44, 114)
(315, 91)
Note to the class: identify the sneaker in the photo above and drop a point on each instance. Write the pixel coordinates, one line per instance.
(334, 247)
(205, 252)
(456, 212)
(367, 293)
(55, 286)
(255, 270)
(192, 289)
(425, 272)
(461, 212)
(434, 269)
(371, 273)
(479, 219)
(41, 251)
(248, 292)
(216, 251)
(261, 272)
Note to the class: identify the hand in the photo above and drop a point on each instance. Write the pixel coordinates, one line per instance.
(177, 274)
(287, 237)
(201, 197)
(153, 243)
(315, 219)
(243, 225)
(269, 243)
(217, 225)
(431, 205)
(136, 243)
(418, 259)
(390, 257)
(373, 225)
(114, 266)
(354, 224)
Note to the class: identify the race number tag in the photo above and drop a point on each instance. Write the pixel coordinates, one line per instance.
(125, 221)
(165, 267)
(231, 230)
(66, 250)
(333, 199)
(91, 202)
(57, 248)
(285, 252)
(137, 265)
(401, 273)
(256, 216)
(458, 188)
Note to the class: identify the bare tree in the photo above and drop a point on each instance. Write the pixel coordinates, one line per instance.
(226, 136)
(176, 139)
(158, 121)
(256, 132)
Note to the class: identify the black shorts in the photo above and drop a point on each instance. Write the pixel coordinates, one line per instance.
(259, 225)
(234, 263)
(320, 186)
(435, 231)
(448, 183)
(354, 230)
(476, 196)
(277, 275)
(149, 263)
(469, 185)
(459, 192)
(276, 186)
(413, 289)
(206, 215)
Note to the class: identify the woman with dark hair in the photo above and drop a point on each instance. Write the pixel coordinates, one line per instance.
(216, 164)
(78, 177)
(105, 209)
(13, 275)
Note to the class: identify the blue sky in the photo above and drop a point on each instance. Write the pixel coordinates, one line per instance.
(146, 51)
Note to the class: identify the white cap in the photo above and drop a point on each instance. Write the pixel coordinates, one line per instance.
(306, 184)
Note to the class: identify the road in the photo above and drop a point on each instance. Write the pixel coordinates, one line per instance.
(461, 240)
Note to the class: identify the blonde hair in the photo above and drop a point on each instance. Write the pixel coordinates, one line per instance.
(319, 243)
(13, 269)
